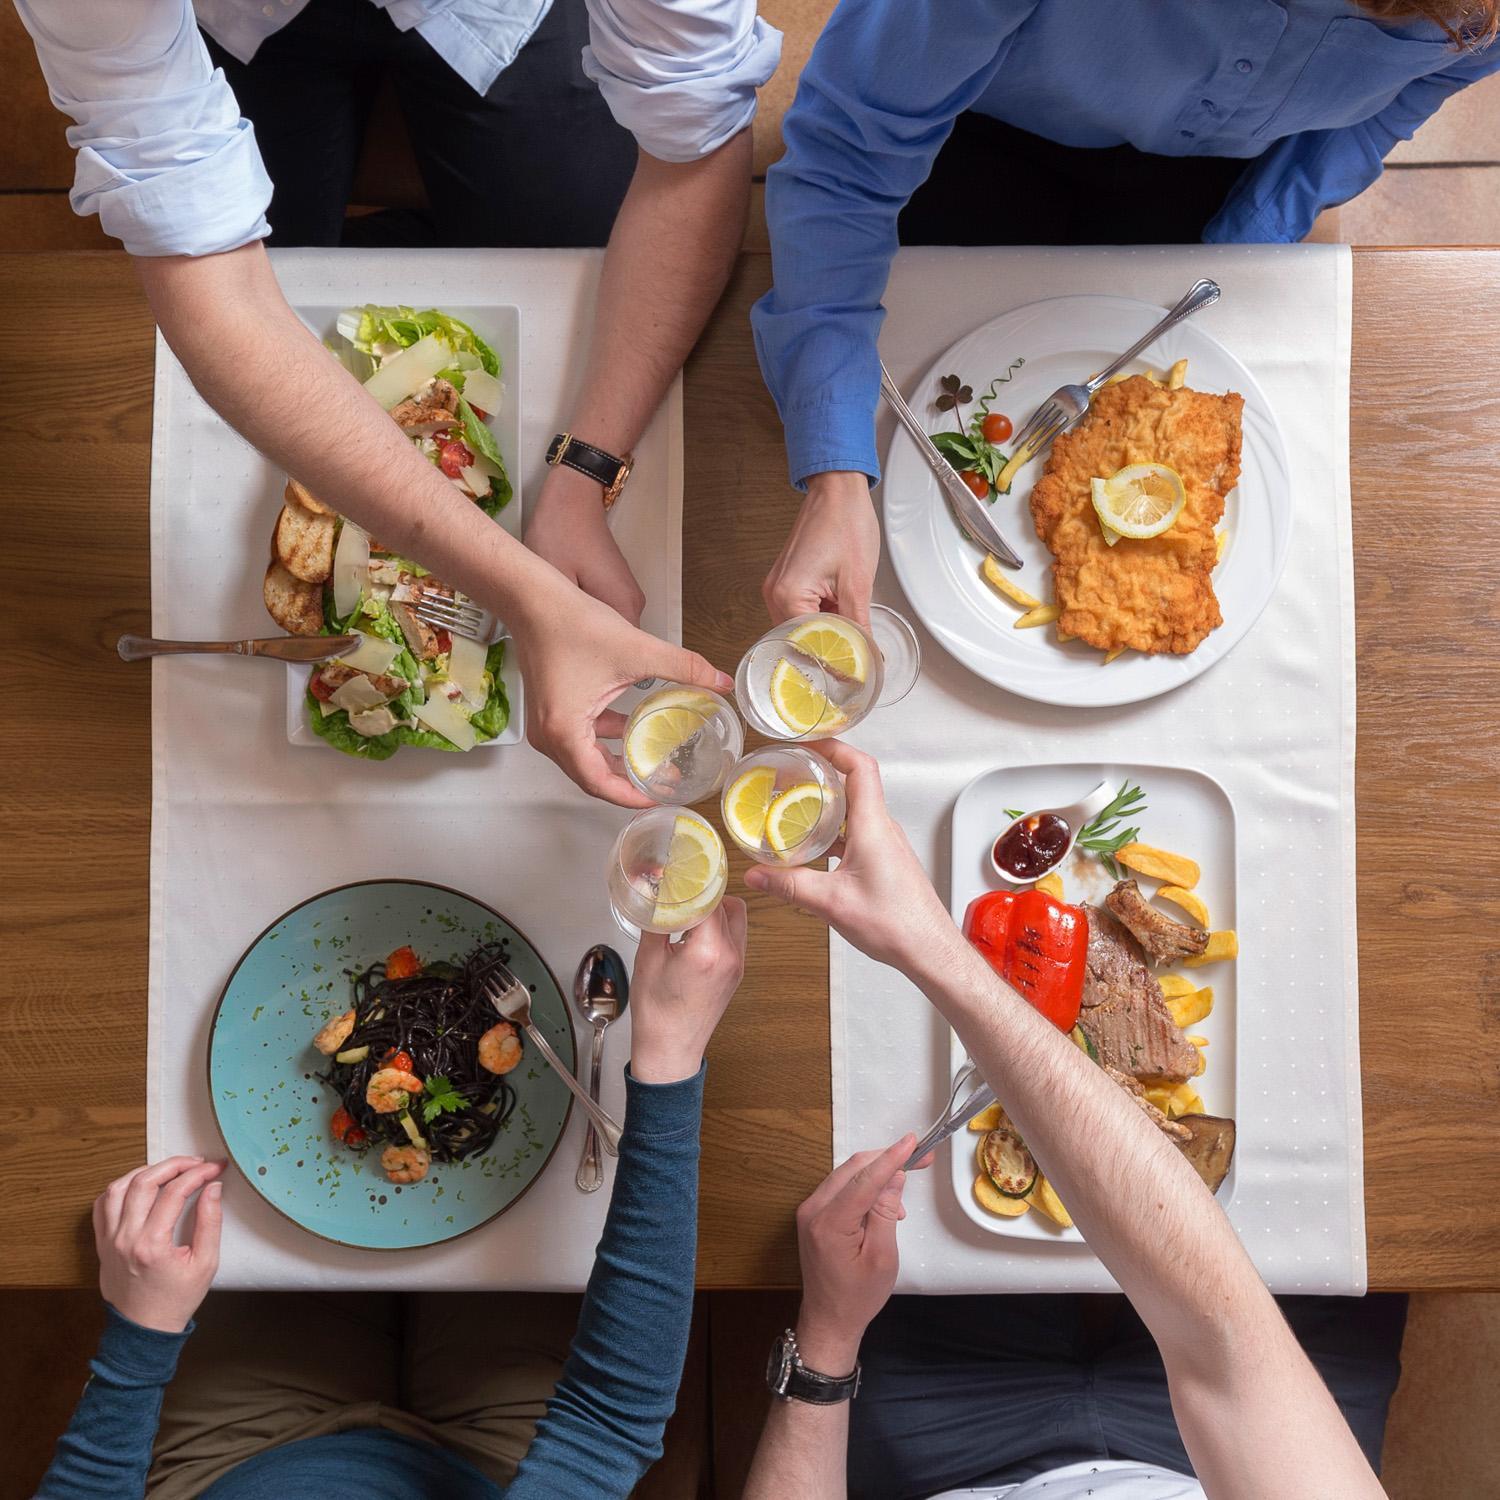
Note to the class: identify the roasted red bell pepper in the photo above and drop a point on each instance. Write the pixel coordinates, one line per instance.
(1037, 945)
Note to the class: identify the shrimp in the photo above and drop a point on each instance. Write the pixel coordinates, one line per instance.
(388, 1089)
(405, 1163)
(333, 1036)
(499, 1048)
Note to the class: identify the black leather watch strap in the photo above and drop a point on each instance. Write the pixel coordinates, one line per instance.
(791, 1380)
(604, 467)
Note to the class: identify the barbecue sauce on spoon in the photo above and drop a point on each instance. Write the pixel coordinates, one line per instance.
(1032, 845)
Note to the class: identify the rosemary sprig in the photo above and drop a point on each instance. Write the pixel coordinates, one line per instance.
(1103, 837)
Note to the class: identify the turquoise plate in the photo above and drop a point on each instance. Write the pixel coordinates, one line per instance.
(273, 1113)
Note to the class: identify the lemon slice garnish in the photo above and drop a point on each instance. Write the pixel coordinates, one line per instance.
(793, 815)
(746, 803)
(1142, 500)
(835, 643)
(692, 879)
(659, 733)
(801, 706)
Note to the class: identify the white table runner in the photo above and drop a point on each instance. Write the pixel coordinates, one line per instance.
(1274, 723)
(245, 825)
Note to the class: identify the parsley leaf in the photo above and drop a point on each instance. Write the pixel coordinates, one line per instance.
(442, 1098)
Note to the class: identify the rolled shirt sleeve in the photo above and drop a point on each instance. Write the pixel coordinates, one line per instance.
(680, 75)
(164, 157)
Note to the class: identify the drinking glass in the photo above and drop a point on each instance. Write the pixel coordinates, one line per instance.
(667, 872)
(784, 805)
(818, 675)
(680, 742)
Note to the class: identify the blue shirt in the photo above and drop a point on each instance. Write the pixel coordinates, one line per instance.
(604, 1423)
(171, 168)
(1310, 93)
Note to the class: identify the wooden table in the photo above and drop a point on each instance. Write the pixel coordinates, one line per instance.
(75, 428)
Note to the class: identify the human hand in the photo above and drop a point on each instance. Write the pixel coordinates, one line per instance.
(846, 1242)
(143, 1273)
(879, 898)
(577, 655)
(569, 526)
(831, 553)
(679, 992)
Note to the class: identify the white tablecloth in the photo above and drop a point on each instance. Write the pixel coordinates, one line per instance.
(1274, 723)
(245, 825)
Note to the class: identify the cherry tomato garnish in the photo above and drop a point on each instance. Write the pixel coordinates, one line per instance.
(976, 482)
(403, 963)
(342, 1125)
(444, 640)
(453, 457)
(398, 1060)
(356, 1136)
(996, 427)
(482, 415)
(320, 689)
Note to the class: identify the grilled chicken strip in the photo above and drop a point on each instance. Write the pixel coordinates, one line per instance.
(1162, 940)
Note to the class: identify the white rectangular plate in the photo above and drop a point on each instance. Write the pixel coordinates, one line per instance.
(1187, 812)
(499, 325)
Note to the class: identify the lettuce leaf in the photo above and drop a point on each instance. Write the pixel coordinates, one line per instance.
(371, 324)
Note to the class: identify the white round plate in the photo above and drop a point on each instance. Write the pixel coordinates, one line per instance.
(1063, 340)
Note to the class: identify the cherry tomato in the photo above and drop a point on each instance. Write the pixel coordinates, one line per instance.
(444, 640)
(320, 689)
(976, 482)
(453, 457)
(996, 427)
(483, 416)
(355, 1136)
(342, 1125)
(399, 1060)
(403, 963)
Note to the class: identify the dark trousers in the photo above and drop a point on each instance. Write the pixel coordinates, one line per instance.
(993, 184)
(961, 1391)
(537, 161)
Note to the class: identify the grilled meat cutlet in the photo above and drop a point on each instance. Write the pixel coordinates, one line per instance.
(1162, 940)
(1155, 594)
(1124, 1014)
(1137, 1091)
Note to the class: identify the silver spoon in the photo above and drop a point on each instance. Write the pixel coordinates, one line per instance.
(1077, 817)
(601, 991)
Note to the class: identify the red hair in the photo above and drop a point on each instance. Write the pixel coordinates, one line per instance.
(1469, 23)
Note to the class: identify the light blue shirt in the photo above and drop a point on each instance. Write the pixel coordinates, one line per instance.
(1311, 93)
(171, 168)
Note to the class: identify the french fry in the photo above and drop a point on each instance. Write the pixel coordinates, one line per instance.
(1110, 655)
(1221, 544)
(1012, 466)
(1160, 864)
(999, 579)
(987, 1119)
(1063, 637)
(1044, 1196)
(1173, 985)
(1117, 377)
(1052, 884)
(1189, 1009)
(1161, 1097)
(1199, 1042)
(1043, 614)
(1154, 376)
(1222, 944)
(1184, 1101)
(1191, 904)
(992, 1198)
(1177, 376)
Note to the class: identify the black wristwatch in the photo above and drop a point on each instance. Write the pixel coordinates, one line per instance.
(791, 1380)
(610, 471)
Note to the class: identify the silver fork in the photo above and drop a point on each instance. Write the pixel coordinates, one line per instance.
(970, 1095)
(513, 1000)
(458, 616)
(1069, 402)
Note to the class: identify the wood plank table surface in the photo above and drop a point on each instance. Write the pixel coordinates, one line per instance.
(75, 430)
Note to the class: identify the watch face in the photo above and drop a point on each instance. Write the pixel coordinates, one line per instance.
(779, 1366)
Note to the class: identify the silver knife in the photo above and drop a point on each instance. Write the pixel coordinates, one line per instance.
(968, 510)
(281, 647)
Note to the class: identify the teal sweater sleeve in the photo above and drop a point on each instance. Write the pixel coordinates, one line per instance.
(106, 1449)
(603, 1427)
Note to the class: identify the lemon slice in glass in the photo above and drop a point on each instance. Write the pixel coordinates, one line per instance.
(802, 706)
(692, 879)
(659, 734)
(835, 643)
(793, 815)
(746, 804)
(1142, 500)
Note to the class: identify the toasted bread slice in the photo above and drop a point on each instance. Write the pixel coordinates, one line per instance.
(299, 494)
(295, 604)
(303, 544)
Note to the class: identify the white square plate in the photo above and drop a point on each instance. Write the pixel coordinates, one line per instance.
(1187, 812)
(499, 325)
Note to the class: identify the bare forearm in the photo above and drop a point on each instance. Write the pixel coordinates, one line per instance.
(256, 364)
(669, 257)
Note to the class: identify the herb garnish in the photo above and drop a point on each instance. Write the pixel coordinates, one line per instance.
(968, 450)
(1103, 836)
(442, 1098)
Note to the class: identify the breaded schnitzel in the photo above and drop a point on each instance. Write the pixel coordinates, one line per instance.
(1155, 594)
